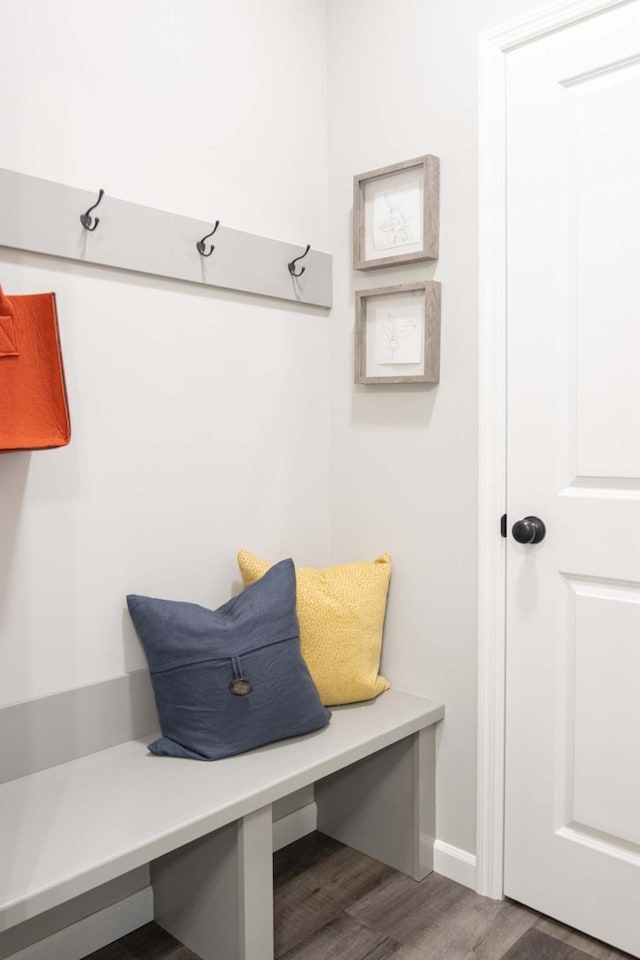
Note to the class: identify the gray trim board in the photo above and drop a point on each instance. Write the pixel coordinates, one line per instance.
(44, 217)
(46, 731)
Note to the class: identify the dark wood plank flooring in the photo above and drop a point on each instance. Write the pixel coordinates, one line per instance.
(332, 903)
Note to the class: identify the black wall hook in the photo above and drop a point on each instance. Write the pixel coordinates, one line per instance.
(292, 265)
(85, 218)
(201, 246)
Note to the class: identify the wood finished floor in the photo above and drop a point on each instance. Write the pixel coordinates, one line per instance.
(332, 903)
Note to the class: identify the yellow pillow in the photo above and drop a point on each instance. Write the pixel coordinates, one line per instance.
(341, 614)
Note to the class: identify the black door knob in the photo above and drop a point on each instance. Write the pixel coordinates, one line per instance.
(529, 530)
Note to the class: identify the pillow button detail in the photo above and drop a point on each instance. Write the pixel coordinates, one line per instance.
(241, 687)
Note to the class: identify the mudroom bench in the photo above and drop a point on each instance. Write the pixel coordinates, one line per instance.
(206, 828)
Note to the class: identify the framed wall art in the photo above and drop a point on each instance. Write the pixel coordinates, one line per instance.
(398, 334)
(396, 214)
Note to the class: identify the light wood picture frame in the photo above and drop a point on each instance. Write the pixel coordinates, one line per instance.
(397, 334)
(396, 212)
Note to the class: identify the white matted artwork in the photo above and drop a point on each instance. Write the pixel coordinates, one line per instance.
(398, 334)
(394, 221)
(396, 213)
(396, 327)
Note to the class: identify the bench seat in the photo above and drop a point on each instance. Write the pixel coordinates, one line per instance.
(70, 828)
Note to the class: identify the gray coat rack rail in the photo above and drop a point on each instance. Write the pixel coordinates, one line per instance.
(44, 217)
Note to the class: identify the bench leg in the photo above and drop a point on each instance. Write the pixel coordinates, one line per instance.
(215, 895)
(384, 805)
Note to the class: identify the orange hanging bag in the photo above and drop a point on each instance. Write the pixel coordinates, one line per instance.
(34, 413)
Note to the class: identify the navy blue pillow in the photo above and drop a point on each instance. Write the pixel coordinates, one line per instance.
(230, 679)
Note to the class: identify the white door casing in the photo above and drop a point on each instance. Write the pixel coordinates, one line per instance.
(573, 784)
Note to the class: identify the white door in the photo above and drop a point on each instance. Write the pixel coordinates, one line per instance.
(573, 608)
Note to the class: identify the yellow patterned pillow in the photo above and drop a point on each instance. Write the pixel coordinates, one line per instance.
(341, 613)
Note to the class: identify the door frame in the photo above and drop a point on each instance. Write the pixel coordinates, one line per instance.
(494, 46)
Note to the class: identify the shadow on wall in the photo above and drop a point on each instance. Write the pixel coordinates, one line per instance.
(388, 404)
(130, 642)
(14, 468)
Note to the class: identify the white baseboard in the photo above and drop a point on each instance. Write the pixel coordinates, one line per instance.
(449, 861)
(454, 863)
(94, 932)
(294, 826)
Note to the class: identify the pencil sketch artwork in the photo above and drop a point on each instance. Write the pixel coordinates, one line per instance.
(398, 335)
(397, 219)
(396, 223)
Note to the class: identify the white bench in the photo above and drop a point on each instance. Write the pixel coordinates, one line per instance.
(206, 828)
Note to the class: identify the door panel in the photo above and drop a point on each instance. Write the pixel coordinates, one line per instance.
(607, 160)
(572, 823)
(606, 789)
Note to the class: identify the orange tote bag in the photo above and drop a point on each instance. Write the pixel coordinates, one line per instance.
(33, 399)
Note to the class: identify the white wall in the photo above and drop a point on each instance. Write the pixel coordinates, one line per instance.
(199, 418)
(403, 82)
